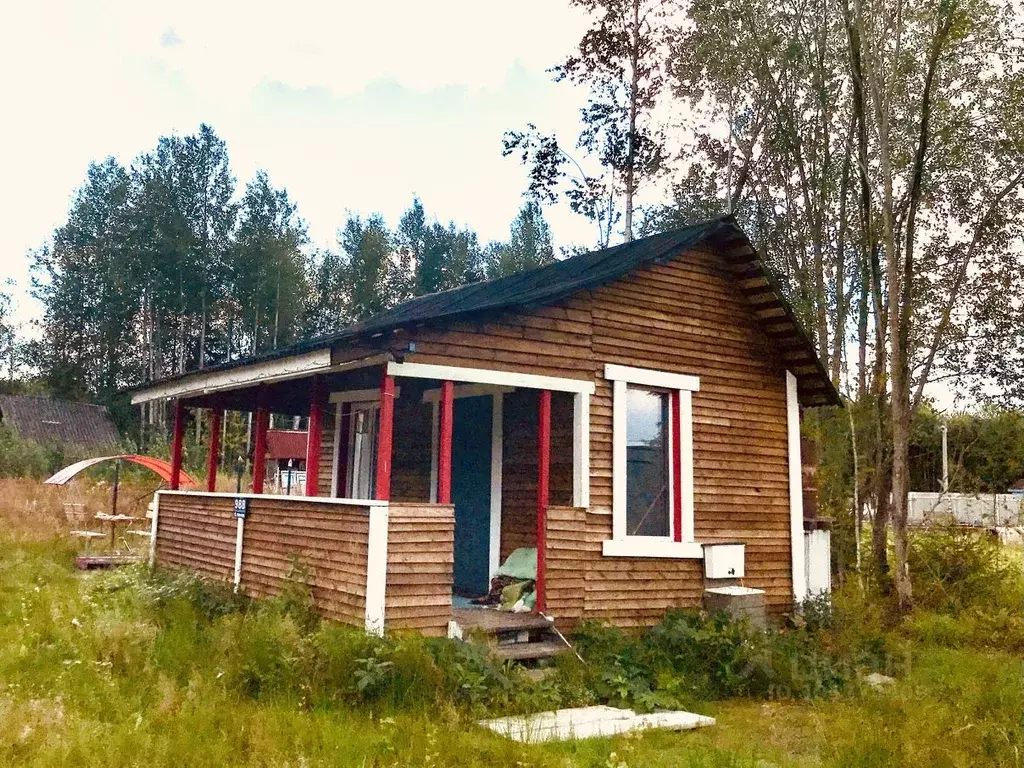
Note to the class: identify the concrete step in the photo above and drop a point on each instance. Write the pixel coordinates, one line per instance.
(542, 649)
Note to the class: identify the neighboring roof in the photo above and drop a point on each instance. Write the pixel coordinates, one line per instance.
(555, 282)
(286, 444)
(47, 420)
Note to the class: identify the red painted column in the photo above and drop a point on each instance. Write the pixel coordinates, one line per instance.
(444, 443)
(176, 443)
(385, 435)
(677, 470)
(346, 424)
(216, 420)
(259, 454)
(543, 492)
(316, 430)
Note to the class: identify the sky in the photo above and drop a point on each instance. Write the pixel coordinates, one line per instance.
(350, 106)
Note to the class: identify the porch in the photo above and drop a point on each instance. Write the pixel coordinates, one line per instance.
(421, 480)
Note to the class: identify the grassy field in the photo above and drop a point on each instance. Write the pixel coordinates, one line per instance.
(107, 669)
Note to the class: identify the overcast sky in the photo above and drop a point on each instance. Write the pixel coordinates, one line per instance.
(349, 105)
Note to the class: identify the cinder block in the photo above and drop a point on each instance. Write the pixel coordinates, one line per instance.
(737, 602)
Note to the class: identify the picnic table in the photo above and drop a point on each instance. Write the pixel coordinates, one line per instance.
(114, 520)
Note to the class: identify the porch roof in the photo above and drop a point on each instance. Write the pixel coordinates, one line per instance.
(547, 285)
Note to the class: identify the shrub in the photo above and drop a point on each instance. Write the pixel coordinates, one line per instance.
(22, 458)
(689, 657)
(954, 569)
(162, 589)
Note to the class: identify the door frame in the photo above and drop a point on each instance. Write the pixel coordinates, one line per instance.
(497, 395)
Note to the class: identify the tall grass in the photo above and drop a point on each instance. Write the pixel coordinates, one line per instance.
(131, 668)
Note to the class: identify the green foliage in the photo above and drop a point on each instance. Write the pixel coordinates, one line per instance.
(529, 244)
(954, 569)
(22, 458)
(127, 666)
(27, 458)
(688, 657)
(986, 450)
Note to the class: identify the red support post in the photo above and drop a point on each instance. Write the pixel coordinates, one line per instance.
(176, 442)
(216, 420)
(259, 454)
(543, 493)
(444, 443)
(677, 471)
(346, 425)
(313, 442)
(385, 430)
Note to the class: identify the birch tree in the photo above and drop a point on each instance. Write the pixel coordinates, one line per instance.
(620, 60)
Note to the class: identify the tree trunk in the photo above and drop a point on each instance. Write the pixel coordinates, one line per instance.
(880, 522)
(202, 333)
(277, 306)
(634, 55)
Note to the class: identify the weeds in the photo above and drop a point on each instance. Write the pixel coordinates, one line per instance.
(169, 669)
(955, 569)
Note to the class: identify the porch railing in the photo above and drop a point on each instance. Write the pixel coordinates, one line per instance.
(373, 564)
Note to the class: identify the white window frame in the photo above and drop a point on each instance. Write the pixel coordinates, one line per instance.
(621, 544)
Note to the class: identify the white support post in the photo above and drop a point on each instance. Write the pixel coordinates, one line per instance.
(796, 492)
(435, 420)
(497, 416)
(376, 569)
(239, 535)
(686, 461)
(581, 452)
(336, 453)
(619, 458)
(153, 529)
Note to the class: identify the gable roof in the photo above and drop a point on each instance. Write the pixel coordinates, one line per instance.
(558, 281)
(47, 420)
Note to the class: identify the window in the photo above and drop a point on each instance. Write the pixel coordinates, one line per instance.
(648, 496)
(362, 447)
(652, 463)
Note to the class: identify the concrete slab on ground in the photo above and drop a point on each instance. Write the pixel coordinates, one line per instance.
(590, 722)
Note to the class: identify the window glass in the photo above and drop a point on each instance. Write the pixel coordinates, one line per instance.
(363, 457)
(647, 467)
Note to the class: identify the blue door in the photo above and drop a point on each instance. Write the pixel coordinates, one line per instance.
(471, 493)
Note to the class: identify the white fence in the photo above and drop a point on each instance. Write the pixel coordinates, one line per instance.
(982, 510)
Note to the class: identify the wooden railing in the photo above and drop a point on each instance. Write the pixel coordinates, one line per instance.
(367, 563)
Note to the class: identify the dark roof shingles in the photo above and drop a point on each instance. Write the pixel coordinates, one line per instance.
(557, 281)
(46, 420)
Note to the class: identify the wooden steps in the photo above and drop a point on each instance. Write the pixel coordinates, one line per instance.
(532, 650)
(523, 637)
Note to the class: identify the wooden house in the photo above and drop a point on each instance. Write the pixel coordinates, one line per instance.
(620, 411)
(286, 457)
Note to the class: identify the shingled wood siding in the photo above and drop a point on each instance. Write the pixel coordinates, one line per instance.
(421, 540)
(687, 316)
(327, 543)
(566, 580)
(327, 451)
(410, 468)
(197, 532)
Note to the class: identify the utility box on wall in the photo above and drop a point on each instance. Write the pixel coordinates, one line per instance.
(723, 561)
